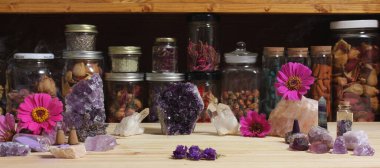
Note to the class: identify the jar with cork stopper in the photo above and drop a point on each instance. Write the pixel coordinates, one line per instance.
(299, 55)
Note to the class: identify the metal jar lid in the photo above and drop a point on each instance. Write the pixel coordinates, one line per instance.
(240, 55)
(124, 50)
(81, 28)
(37, 56)
(165, 40)
(274, 51)
(82, 55)
(127, 77)
(354, 24)
(320, 50)
(298, 52)
(170, 77)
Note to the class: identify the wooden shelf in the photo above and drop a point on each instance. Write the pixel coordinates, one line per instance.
(153, 150)
(185, 6)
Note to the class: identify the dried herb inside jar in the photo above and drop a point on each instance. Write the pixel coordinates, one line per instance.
(164, 59)
(202, 57)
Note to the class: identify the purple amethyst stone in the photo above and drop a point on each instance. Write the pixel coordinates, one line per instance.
(339, 146)
(100, 143)
(179, 107)
(13, 149)
(364, 150)
(85, 108)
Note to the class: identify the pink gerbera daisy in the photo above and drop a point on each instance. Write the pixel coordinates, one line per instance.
(293, 81)
(39, 112)
(7, 127)
(254, 125)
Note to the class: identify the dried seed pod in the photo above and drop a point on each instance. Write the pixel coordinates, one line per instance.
(370, 90)
(47, 85)
(374, 103)
(355, 88)
(353, 53)
(79, 70)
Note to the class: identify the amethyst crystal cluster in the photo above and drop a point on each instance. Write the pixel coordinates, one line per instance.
(13, 149)
(179, 107)
(85, 108)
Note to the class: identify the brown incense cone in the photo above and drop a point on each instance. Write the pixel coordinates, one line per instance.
(73, 138)
(60, 137)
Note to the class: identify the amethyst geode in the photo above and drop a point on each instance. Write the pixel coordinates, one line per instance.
(85, 108)
(179, 107)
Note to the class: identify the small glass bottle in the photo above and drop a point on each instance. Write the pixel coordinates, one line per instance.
(80, 37)
(202, 51)
(164, 55)
(299, 55)
(241, 81)
(273, 59)
(322, 69)
(344, 118)
(124, 58)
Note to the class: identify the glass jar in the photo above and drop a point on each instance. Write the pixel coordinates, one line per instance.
(344, 118)
(165, 55)
(208, 84)
(158, 82)
(124, 58)
(322, 69)
(80, 37)
(202, 51)
(356, 67)
(27, 74)
(299, 55)
(125, 95)
(2, 86)
(273, 59)
(241, 81)
(80, 65)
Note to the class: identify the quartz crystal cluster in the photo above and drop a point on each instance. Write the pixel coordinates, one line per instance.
(100, 143)
(223, 119)
(131, 125)
(13, 149)
(355, 138)
(179, 107)
(85, 108)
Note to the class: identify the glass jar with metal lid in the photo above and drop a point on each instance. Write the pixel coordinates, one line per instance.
(273, 59)
(208, 84)
(322, 69)
(164, 55)
(158, 82)
(2, 86)
(356, 67)
(27, 74)
(241, 81)
(125, 95)
(300, 55)
(80, 37)
(80, 65)
(124, 58)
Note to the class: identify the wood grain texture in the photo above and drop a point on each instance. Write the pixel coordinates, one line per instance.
(185, 6)
(154, 150)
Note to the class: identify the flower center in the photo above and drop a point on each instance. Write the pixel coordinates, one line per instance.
(294, 83)
(256, 127)
(40, 114)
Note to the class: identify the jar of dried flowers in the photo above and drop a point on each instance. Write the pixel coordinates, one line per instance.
(124, 58)
(80, 65)
(202, 50)
(241, 81)
(356, 67)
(165, 55)
(125, 94)
(27, 74)
(80, 37)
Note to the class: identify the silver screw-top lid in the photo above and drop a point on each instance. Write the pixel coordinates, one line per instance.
(127, 77)
(82, 55)
(171, 77)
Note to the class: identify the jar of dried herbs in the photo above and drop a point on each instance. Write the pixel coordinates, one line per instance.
(80, 37)
(241, 81)
(202, 50)
(273, 59)
(80, 65)
(2, 86)
(125, 94)
(125, 58)
(158, 82)
(165, 55)
(208, 84)
(322, 69)
(27, 74)
(356, 67)
(300, 55)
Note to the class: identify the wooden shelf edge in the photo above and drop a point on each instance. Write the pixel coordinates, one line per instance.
(62, 6)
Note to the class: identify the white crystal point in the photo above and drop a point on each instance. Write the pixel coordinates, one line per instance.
(130, 125)
(223, 119)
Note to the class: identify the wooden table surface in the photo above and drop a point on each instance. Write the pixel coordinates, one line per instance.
(152, 150)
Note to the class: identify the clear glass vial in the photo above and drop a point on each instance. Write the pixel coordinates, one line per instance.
(344, 118)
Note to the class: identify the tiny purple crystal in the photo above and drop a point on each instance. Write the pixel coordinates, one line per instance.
(100, 143)
(180, 152)
(209, 154)
(299, 142)
(13, 149)
(319, 134)
(194, 153)
(339, 146)
(364, 150)
(319, 147)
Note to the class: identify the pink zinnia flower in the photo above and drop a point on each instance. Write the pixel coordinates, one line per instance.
(293, 81)
(7, 127)
(39, 111)
(254, 125)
